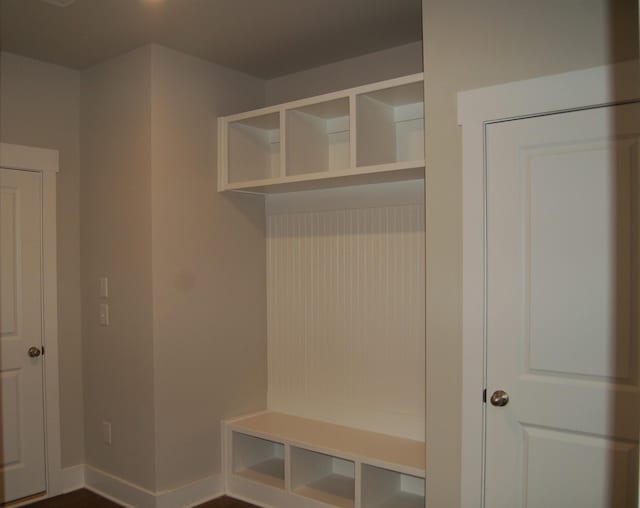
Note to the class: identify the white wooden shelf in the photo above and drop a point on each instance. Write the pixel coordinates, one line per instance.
(403, 500)
(270, 472)
(332, 489)
(322, 463)
(368, 134)
(396, 453)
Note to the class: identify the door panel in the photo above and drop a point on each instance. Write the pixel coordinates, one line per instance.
(562, 309)
(569, 469)
(22, 469)
(11, 418)
(572, 254)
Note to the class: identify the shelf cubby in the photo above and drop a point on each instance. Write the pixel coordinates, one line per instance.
(383, 488)
(390, 125)
(254, 148)
(318, 137)
(260, 460)
(323, 477)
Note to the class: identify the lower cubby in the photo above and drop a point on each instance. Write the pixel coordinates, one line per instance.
(258, 459)
(383, 488)
(275, 460)
(322, 477)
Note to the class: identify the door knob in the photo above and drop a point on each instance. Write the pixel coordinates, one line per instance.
(34, 352)
(500, 398)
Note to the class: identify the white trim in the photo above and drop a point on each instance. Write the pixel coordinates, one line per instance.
(28, 158)
(192, 494)
(73, 478)
(128, 494)
(45, 161)
(117, 490)
(572, 90)
(50, 339)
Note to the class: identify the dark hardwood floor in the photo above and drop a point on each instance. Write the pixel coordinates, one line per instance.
(227, 502)
(86, 499)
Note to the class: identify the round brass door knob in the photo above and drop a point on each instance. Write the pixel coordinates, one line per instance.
(500, 398)
(34, 352)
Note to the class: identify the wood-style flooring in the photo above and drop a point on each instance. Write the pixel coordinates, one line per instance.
(86, 499)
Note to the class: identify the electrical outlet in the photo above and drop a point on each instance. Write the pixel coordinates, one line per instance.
(106, 432)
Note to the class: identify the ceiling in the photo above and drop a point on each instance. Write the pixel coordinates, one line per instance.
(264, 38)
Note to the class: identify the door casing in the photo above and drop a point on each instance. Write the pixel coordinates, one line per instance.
(45, 161)
(598, 86)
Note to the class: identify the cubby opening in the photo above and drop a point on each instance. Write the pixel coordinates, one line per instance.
(254, 148)
(323, 477)
(258, 459)
(383, 488)
(390, 125)
(318, 138)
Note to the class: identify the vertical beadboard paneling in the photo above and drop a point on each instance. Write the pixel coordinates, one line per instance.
(346, 311)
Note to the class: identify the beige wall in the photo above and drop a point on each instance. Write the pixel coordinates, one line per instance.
(209, 266)
(116, 242)
(470, 45)
(186, 346)
(39, 106)
(387, 64)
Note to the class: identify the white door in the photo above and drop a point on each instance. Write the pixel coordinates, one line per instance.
(22, 467)
(563, 306)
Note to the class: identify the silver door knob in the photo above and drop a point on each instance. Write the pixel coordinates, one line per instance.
(500, 398)
(34, 352)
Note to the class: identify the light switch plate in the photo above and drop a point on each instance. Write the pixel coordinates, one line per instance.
(103, 314)
(104, 287)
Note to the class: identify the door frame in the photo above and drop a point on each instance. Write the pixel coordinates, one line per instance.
(45, 162)
(598, 86)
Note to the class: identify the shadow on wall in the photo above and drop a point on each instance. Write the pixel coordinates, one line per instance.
(2, 396)
(625, 280)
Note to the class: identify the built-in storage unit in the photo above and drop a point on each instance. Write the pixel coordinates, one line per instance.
(344, 178)
(368, 134)
(324, 464)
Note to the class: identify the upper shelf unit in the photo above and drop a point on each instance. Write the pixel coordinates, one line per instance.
(369, 134)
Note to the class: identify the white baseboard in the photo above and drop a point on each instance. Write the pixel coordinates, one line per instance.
(192, 494)
(132, 496)
(72, 478)
(118, 490)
